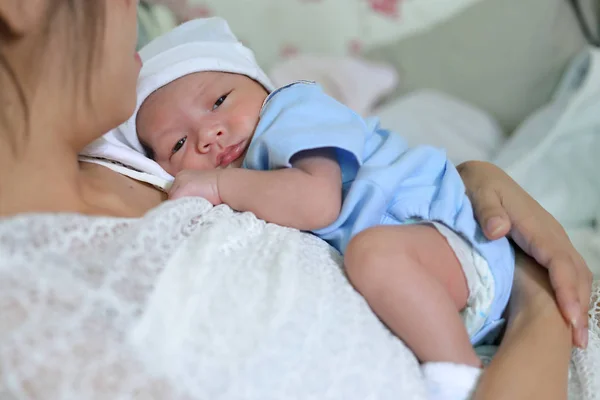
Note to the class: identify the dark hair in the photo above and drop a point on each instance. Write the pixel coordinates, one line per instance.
(148, 150)
(88, 24)
(90, 17)
(12, 78)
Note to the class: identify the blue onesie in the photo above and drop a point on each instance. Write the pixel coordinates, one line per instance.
(384, 181)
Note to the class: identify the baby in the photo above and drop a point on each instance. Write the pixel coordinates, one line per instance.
(294, 156)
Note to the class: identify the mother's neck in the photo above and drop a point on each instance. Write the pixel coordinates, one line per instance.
(39, 176)
(49, 178)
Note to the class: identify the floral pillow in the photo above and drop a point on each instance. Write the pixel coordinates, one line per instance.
(278, 29)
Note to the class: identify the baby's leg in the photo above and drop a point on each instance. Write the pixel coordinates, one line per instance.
(413, 281)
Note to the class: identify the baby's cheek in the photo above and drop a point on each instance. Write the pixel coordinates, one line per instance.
(246, 122)
(194, 161)
(169, 168)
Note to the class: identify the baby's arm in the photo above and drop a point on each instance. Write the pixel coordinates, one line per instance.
(307, 196)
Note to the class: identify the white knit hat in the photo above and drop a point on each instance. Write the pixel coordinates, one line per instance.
(199, 45)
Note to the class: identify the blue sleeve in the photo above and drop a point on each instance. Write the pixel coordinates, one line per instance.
(302, 117)
(430, 188)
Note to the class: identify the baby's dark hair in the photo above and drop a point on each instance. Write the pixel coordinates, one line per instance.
(148, 150)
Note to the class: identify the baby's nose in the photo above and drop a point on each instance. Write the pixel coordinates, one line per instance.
(207, 139)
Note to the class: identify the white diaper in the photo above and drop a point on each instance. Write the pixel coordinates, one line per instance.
(479, 279)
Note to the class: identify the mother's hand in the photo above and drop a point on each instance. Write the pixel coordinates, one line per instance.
(503, 207)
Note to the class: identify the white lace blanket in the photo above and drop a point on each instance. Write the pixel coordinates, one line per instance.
(194, 302)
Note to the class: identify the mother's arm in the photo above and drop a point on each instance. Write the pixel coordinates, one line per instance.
(533, 360)
(537, 344)
(503, 207)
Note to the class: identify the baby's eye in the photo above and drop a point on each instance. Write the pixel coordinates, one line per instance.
(219, 101)
(178, 145)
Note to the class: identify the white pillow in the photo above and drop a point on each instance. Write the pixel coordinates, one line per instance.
(357, 83)
(555, 153)
(438, 119)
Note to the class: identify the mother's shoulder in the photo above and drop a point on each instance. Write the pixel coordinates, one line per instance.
(113, 193)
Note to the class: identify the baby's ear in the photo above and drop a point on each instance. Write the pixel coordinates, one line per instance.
(20, 17)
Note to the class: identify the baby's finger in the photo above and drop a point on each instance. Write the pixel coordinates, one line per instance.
(179, 193)
(179, 183)
(177, 190)
(174, 194)
(173, 188)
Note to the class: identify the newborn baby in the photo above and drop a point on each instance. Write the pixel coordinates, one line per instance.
(294, 156)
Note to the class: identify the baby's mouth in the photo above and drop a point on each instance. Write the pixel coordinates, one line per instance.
(230, 154)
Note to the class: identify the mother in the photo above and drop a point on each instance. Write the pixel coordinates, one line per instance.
(68, 74)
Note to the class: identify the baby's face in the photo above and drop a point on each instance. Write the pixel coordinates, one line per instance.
(201, 121)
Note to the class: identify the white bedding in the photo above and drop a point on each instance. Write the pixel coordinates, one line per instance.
(195, 302)
(468, 134)
(553, 154)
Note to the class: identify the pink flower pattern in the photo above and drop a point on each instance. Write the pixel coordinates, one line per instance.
(200, 12)
(288, 51)
(390, 8)
(186, 10)
(355, 47)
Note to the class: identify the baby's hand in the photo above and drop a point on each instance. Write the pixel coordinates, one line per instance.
(197, 183)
